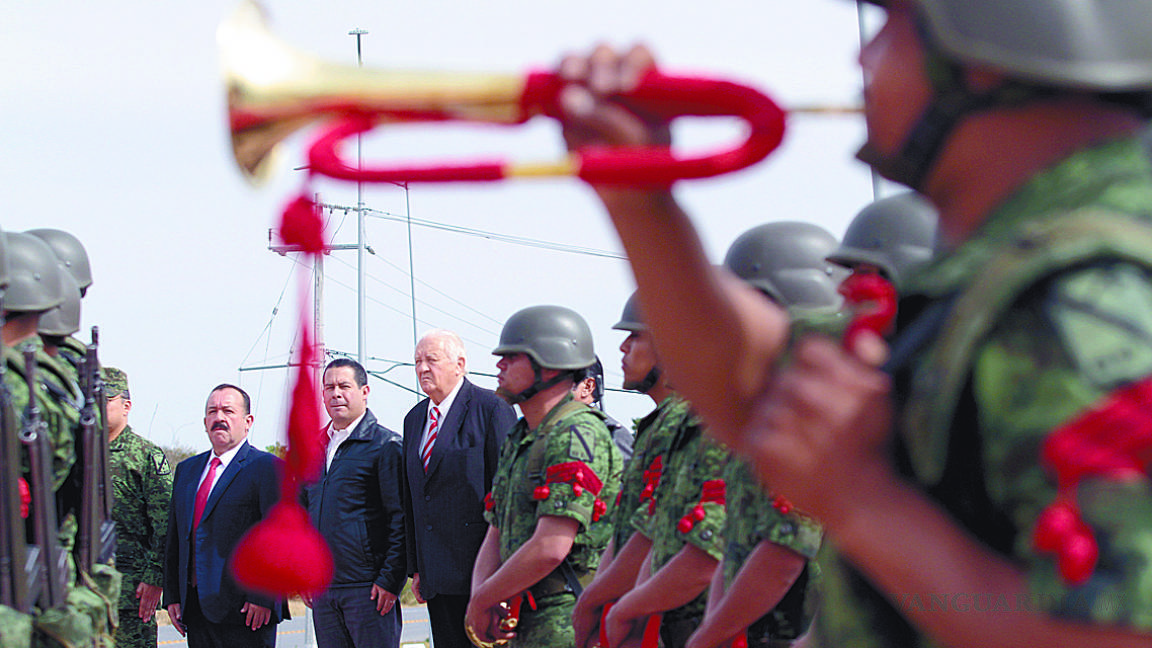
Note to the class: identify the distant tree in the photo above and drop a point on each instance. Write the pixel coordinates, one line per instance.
(176, 454)
(278, 449)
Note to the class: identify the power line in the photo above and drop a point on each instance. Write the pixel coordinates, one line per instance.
(494, 236)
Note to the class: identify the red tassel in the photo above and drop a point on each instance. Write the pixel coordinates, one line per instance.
(301, 225)
(541, 492)
(489, 502)
(283, 554)
(599, 508)
(306, 442)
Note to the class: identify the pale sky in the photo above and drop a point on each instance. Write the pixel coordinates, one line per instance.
(116, 131)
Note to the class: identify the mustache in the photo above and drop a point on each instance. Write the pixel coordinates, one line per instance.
(219, 425)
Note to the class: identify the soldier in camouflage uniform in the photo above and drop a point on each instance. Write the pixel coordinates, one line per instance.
(87, 616)
(554, 487)
(683, 524)
(627, 551)
(142, 483)
(766, 586)
(990, 487)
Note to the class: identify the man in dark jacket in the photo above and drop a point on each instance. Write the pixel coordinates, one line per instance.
(357, 507)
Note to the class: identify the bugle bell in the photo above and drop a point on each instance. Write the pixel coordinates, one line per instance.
(274, 90)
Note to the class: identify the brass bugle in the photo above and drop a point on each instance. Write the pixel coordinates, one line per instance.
(273, 90)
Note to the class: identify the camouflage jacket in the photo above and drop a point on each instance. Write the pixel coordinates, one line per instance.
(568, 467)
(142, 483)
(57, 410)
(1033, 355)
(688, 491)
(654, 434)
(754, 516)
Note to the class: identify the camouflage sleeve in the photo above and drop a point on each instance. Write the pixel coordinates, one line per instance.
(700, 521)
(157, 486)
(577, 465)
(1061, 352)
(756, 515)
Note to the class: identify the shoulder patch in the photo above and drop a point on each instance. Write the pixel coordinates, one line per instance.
(579, 448)
(160, 463)
(1104, 317)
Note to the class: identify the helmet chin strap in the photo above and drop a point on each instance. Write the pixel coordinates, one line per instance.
(649, 381)
(538, 384)
(953, 100)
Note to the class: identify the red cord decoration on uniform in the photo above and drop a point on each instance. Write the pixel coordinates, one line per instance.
(712, 490)
(781, 504)
(284, 554)
(489, 502)
(581, 477)
(651, 481)
(873, 300)
(1111, 441)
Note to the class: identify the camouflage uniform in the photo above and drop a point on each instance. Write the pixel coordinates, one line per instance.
(142, 483)
(654, 434)
(1036, 319)
(531, 481)
(692, 469)
(88, 616)
(755, 516)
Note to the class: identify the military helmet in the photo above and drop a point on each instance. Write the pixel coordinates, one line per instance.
(895, 234)
(65, 318)
(631, 319)
(553, 336)
(35, 274)
(1096, 45)
(786, 260)
(71, 253)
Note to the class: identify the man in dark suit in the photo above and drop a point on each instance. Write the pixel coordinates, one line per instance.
(216, 497)
(451, 446)
(357, 507)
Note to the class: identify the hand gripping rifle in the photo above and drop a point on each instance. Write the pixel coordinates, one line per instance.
(13, 543)
(47, 559)
(97, 535)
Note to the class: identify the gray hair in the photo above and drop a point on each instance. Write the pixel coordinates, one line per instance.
(449, 342)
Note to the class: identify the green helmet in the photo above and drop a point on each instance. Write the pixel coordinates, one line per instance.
(1089, 46)
(895, 234)
(1097, 45)
(35, 275)
(65, 318)
(631, 319)
(553, 336)
(786, 261)
(71, 253)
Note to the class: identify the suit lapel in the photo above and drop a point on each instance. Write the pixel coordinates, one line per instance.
(234, 468)
(450, 426)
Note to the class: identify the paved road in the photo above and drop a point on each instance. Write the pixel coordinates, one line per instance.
(292, 633)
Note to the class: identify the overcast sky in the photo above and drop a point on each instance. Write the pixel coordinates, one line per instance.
(115, 130)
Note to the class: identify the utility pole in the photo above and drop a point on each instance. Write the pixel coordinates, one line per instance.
(361, 243)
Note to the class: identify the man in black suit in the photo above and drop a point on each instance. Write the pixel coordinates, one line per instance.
(451, 446)
(216, 497)
(357, 507)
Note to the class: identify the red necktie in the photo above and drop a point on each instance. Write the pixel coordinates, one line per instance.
(426, 452)
(202, 492)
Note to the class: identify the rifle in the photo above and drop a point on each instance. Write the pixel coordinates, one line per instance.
(13, 543)
(47, 559)
(96, 495)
